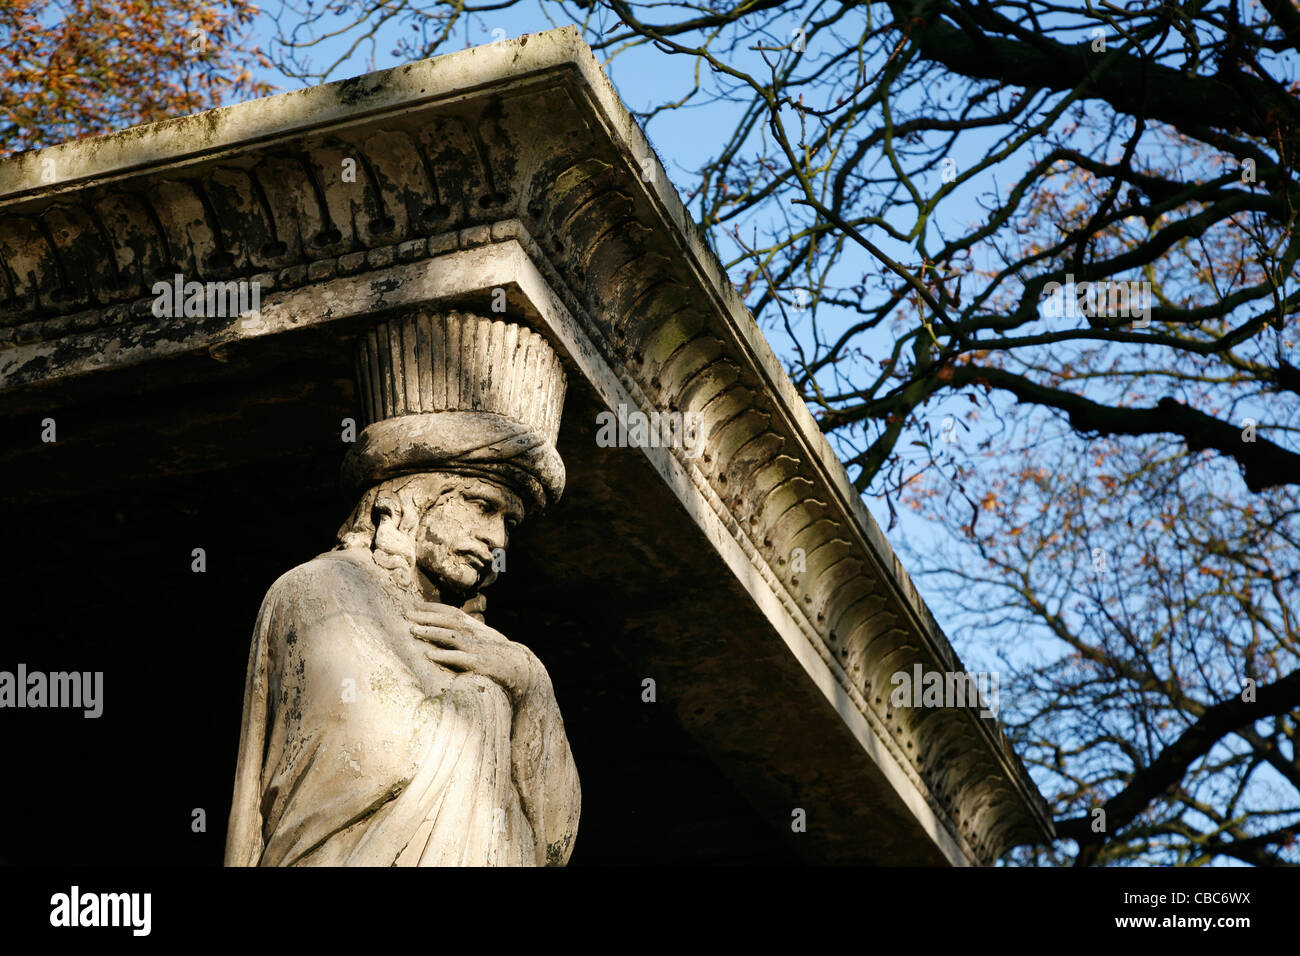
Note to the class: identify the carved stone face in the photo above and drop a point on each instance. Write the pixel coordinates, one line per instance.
(460, 531)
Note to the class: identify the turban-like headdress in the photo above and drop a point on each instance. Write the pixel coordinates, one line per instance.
(460, 393)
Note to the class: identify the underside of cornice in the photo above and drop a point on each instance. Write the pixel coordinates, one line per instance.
(536, 150)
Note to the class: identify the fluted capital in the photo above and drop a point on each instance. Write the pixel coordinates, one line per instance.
(454, 391)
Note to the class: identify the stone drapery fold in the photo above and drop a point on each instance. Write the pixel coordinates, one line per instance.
(356, 750)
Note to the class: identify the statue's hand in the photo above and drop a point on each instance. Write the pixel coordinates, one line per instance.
(461, 643)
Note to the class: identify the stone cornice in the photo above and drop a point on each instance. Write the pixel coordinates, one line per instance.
(523, 142)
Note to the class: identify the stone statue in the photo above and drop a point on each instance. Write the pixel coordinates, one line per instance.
(385, 724)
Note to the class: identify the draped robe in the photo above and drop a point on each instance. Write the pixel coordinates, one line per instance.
(355, 749)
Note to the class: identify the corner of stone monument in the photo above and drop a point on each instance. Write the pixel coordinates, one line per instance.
(445, 339)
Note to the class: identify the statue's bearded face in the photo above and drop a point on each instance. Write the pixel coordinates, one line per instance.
(463, 530)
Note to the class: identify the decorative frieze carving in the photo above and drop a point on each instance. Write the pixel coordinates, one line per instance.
(521, 143)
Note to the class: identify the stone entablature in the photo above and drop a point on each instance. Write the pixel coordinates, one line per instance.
(514, 167)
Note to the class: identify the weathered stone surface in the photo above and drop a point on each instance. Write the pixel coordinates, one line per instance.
(385, 724)
(521, 154)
